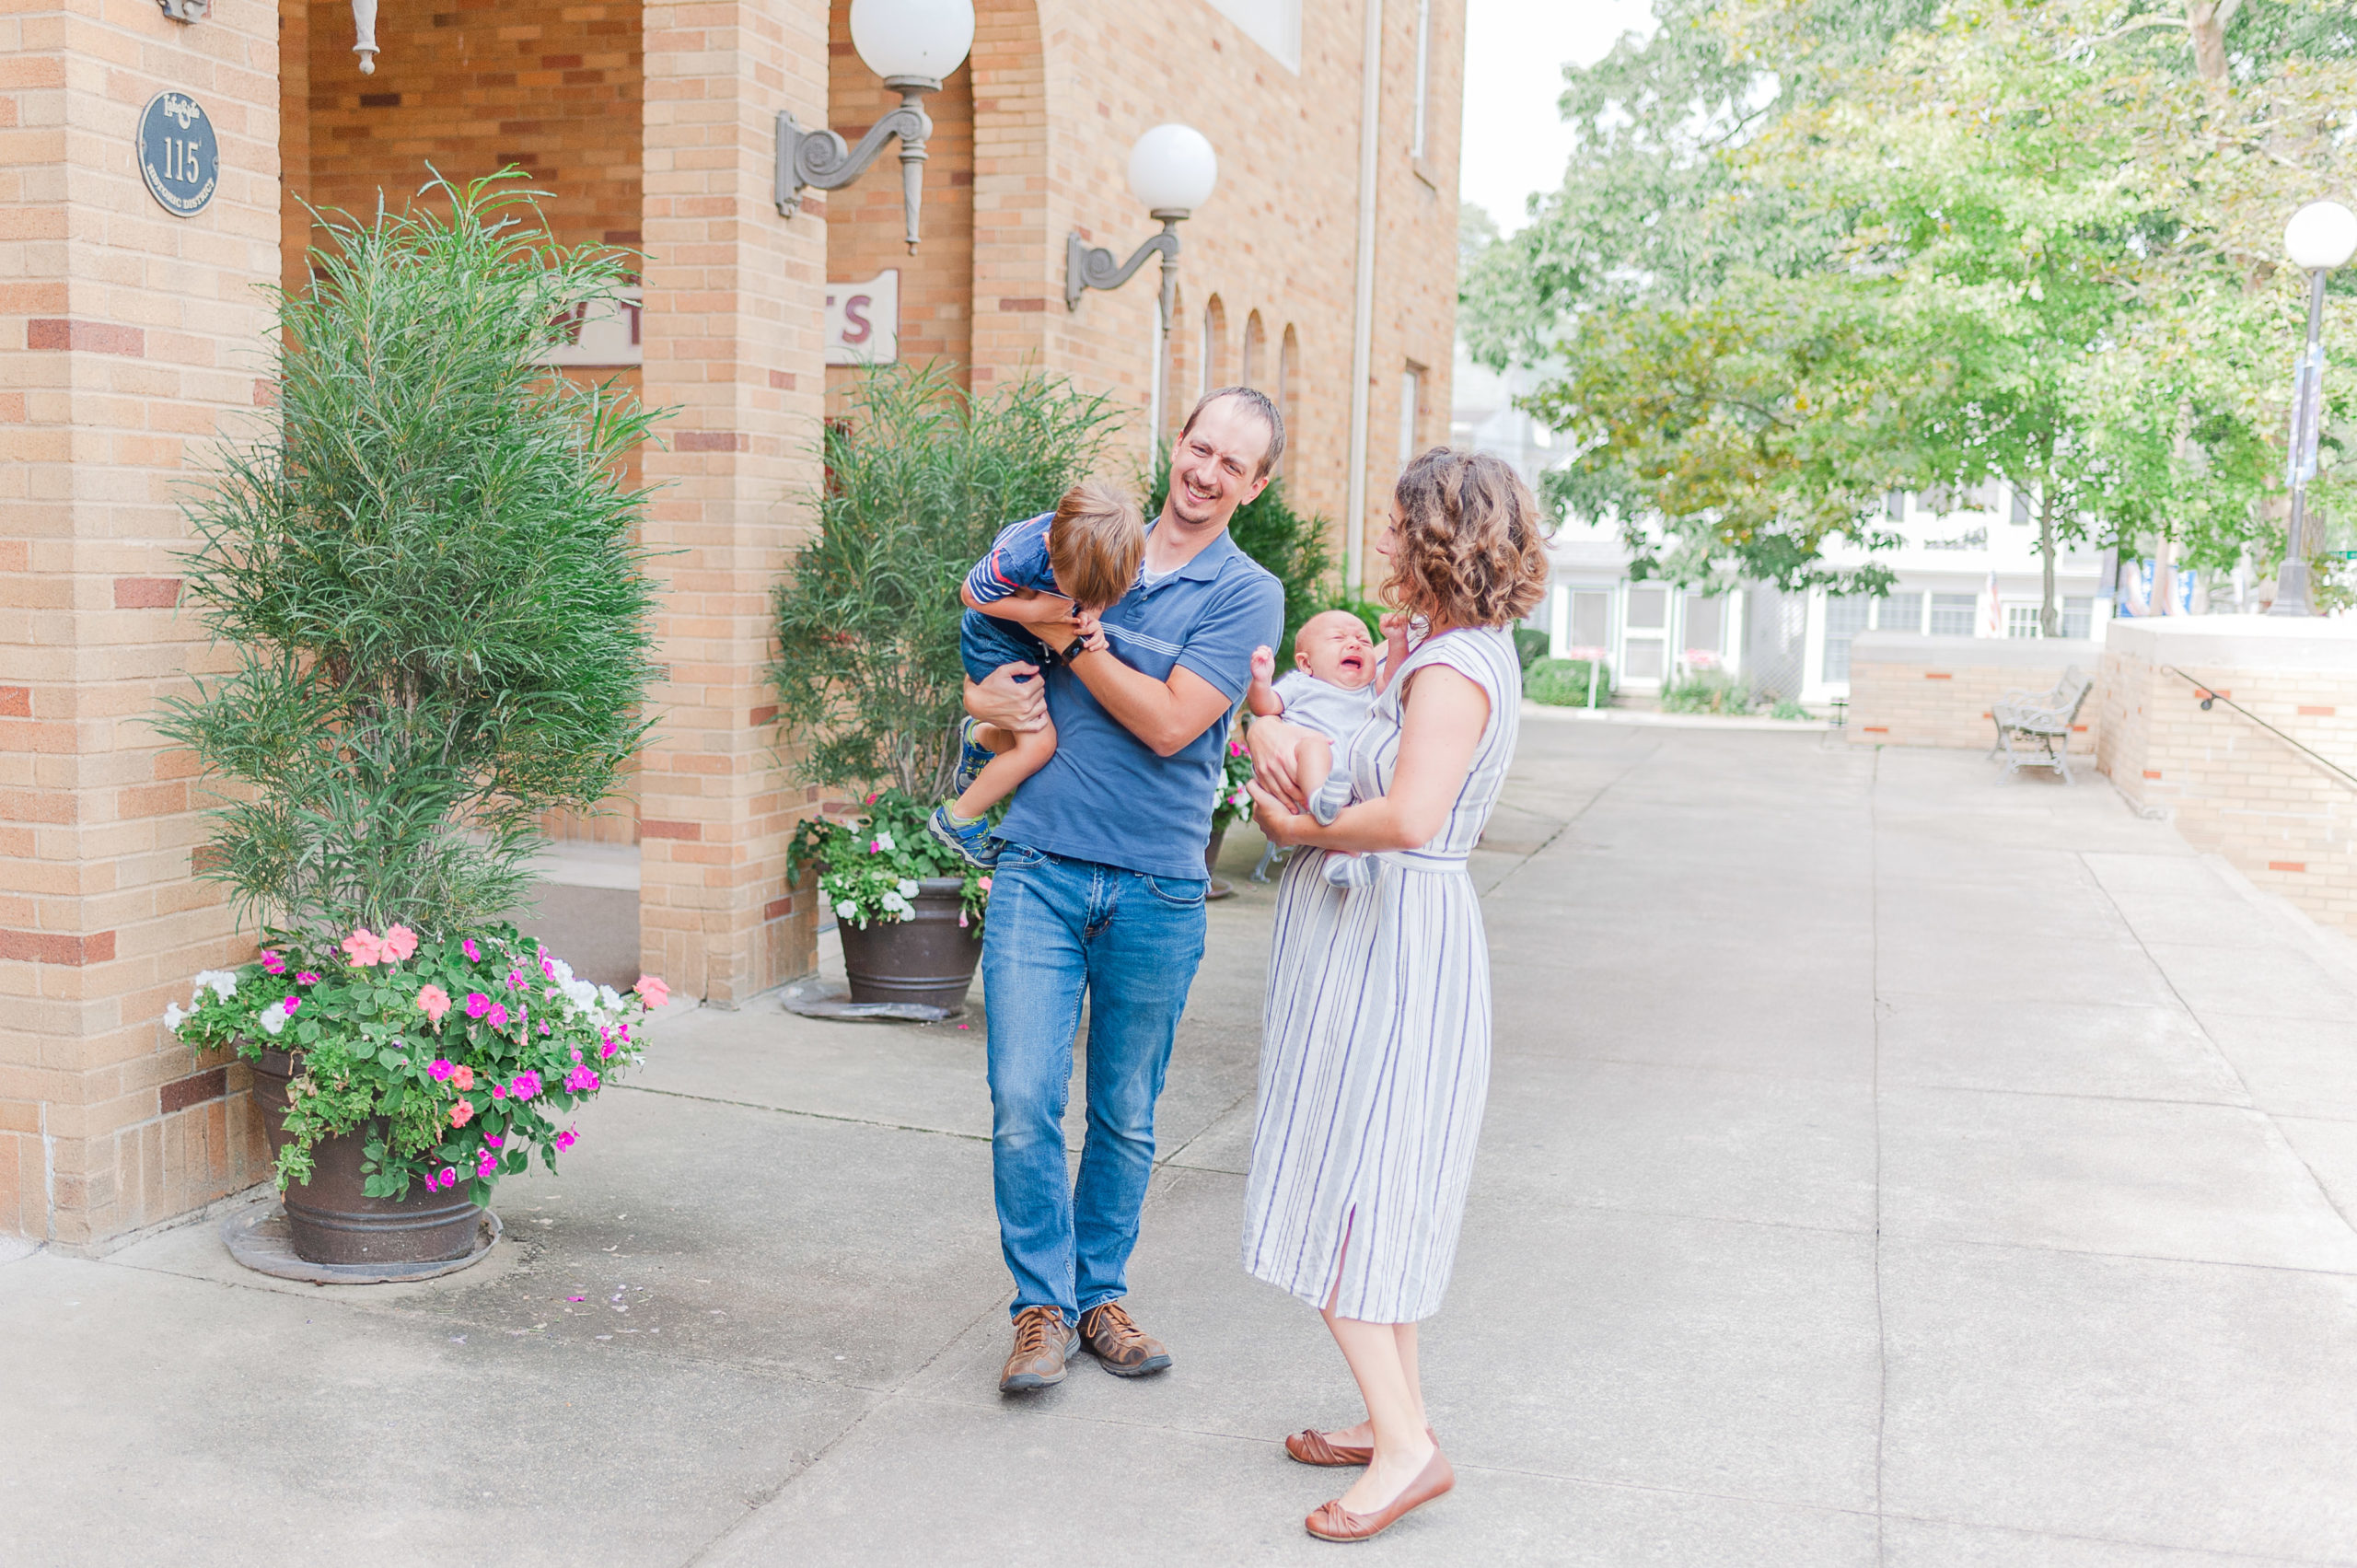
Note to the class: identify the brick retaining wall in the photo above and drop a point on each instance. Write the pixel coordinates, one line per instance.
(1908, 689)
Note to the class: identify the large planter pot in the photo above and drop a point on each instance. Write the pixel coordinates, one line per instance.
(927, 960)
(330, 1219)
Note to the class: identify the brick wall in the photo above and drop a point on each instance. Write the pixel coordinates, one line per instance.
(130, 340)
(1908, 689)
(2286, 821)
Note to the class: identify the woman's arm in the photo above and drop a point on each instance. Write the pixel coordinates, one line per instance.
(1275, 746)
(1438, 734)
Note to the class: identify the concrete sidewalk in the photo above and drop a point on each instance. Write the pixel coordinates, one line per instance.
(1886, 1163)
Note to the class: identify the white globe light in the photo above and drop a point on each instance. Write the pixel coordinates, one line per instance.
(913, 38)
(2320, 237)
(1173, 169)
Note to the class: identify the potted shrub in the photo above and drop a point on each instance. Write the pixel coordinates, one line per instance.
(920, 479)
(442, 627)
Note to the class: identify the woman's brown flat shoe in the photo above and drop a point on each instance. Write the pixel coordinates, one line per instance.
(1334, 1522)
(1311, 1446)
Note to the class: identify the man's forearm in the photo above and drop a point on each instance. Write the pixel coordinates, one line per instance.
(1147, 708)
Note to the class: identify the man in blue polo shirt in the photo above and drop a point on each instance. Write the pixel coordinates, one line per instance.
(1099, 890)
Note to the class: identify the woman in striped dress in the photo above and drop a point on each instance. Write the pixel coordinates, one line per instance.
(1375, 1060)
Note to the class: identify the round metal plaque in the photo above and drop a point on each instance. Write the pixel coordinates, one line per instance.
(179, 153)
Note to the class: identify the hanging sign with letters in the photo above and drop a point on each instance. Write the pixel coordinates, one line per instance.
(179, 153)
(864, 320)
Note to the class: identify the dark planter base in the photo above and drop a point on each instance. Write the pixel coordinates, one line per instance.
(259, 1237)
(332, 1220)
(929, 960)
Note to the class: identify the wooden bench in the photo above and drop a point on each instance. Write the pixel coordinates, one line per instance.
(2040, 720)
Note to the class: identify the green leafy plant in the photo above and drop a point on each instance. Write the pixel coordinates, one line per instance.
(1706, 691)
(1568, 682)
(1290, 544)
(458, 1055)
(1529, 646)
(921, 477)
(869, 863)
(1787, 708)
(427, 575)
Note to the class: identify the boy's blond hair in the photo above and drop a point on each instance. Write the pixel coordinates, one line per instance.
(1094, 543)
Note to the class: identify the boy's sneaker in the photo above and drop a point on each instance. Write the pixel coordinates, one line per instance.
(969, 841)
(972, 755)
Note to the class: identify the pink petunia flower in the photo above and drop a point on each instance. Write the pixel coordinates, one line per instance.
(525, 1085)
(462, 1113)
(984, 883)
(271, 963)
(306, 977)
(487, 1163)
(400, 942)
(497, 1092)
(499, 1015)
(363, 947)
(462, 1076)
(567, 1138)
(652, 991)
(477, 1004)
(434, 1000)
(581, 1080)
(495, 1140)
(291, 1003)
(449, 1177)
(473, 953)
(439, 1068)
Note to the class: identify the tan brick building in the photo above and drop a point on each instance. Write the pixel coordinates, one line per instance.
(131, 344)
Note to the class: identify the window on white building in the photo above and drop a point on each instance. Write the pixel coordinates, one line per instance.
(1845, 617)
(1705, 629)
(1412, 394)
(1424, 73)
(2021, 620)
(2078, 618)
(1591, 618)
(1952, 614)
(1900, 612)
(1644, 645)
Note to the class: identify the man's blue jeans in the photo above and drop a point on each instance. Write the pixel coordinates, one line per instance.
(1058, 928)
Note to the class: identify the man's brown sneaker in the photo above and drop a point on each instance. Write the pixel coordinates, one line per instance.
(1043, 1344)
(1116, 1343)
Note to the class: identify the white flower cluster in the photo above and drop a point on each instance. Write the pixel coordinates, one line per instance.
(221, 982)
(273, 1017)
(896, 902)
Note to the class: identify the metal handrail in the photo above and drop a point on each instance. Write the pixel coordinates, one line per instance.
(2211, 695)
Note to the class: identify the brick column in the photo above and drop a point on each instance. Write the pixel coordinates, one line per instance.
(733, 326)
(129, 344)
(1018, 266)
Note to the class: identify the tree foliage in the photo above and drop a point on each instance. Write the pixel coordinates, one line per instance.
(1811, 251)
(427, 575)
(920, 479)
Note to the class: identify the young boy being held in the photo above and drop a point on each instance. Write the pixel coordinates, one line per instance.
(1048, 576)
(1330, 691)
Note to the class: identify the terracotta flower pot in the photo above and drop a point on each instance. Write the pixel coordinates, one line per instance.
(928, 959)
(330, 1219)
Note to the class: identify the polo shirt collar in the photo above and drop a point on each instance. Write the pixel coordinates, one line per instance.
(1207, 562)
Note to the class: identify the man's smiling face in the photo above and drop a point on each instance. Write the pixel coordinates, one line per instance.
(1217, 467)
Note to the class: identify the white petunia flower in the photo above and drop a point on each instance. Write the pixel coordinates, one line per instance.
(581, 994)
(846, 910)
(884, 844)
(908, 888)
(223, 983)
(898, 907)
(273, 1017)
(564, 972)
(173, 1016)
(609, 998)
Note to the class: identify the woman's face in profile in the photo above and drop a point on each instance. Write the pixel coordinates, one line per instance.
(1390, 531)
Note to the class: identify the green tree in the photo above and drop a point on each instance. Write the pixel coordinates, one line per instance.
(1808, 251)
(427, 575)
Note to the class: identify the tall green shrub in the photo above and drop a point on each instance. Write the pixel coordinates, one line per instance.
(920, 479)
(427, 576)
(1290, 544)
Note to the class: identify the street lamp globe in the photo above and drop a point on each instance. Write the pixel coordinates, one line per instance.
(920, 40)
(1172, 168)
(2320, 237)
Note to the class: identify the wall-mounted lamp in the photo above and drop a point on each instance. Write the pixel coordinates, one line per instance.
(364, 35)
(913, 44)
(1172, 170)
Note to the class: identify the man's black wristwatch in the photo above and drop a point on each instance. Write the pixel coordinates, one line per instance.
(1069, 652)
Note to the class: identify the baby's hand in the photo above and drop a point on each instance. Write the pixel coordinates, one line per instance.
(1085, 623)
(1264, 664)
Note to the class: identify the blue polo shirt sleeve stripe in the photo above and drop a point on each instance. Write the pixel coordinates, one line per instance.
(1018, 559)
(1220, 647)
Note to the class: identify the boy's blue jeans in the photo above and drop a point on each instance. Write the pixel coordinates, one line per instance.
(1058, 928)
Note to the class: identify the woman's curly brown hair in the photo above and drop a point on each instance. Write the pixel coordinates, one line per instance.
(1467, 549)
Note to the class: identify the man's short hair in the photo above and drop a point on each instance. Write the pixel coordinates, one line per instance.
(1258, 403)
